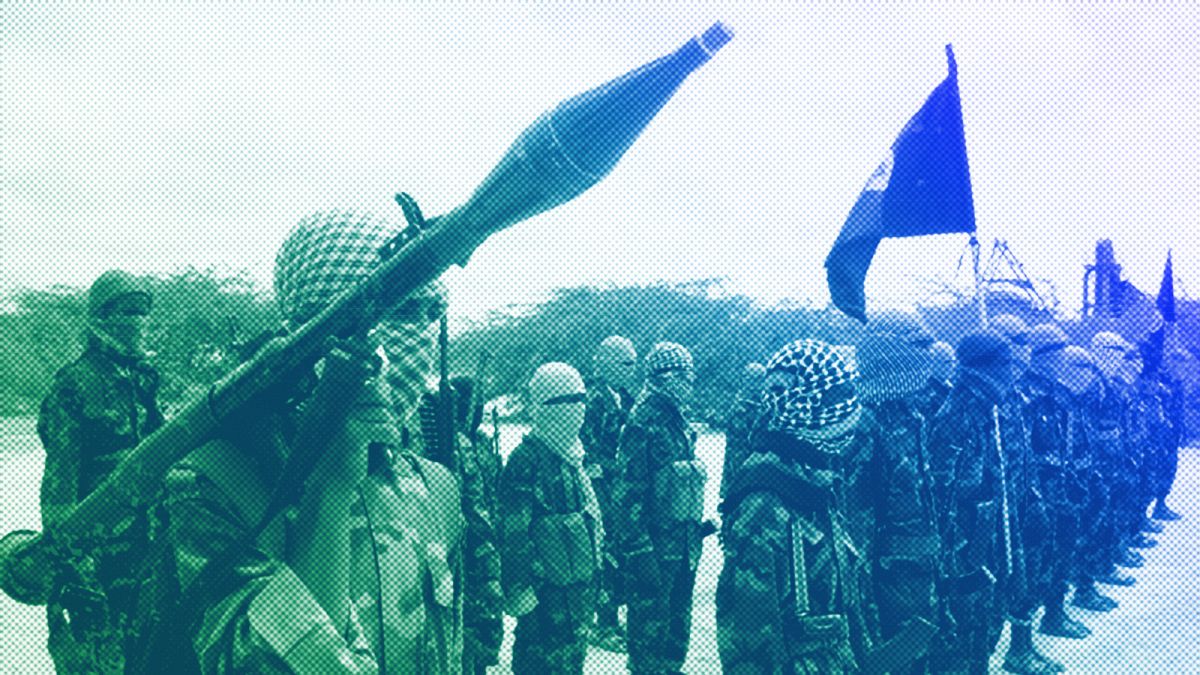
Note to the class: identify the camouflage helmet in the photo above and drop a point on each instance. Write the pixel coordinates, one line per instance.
(327, 253)
(114, 285)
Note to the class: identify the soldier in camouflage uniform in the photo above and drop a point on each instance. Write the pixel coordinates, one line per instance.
(1051, 553)
(609, 403)
(968, 445)
(1109, 350)
(661, 508)
(1029, 517)
(552, 531)
(477, 469)
(1175, 434)
(99, 408)
(1095, 436)
(1134, 436)
(742, 422)
(794, 594)
(374, 528)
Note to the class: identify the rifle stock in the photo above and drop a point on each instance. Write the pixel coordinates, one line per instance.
(562, 154)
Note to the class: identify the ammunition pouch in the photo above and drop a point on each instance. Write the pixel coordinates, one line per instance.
(565, 544)
(679, 491)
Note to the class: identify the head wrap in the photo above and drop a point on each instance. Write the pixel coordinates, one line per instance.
(615, 361)
(327, 253)
(988, 356)
(1012, 327)
(815, 406)
(893, 359)
(120, 332)
(670, 372)
(1109, 350)
(944, 359)
(1079, 369)
(330, 252)
(558, 401)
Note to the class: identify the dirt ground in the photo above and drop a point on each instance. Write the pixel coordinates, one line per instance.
(1155, 630)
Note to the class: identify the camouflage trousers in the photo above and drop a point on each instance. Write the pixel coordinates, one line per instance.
(966, 642)
(612, 588)
(1097, 530)
(553, 638)
(660, 620)
(904, 590)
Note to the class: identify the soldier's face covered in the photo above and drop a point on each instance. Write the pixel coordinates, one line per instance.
(1110, 359)
(559, 403)
(122, 326)
(410, 352)
(1131, 367)
(616, 363)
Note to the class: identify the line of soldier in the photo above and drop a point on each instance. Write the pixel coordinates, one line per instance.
(887, 507)
(386, 555)
(876, 517)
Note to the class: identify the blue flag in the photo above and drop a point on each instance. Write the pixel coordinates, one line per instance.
(922, 187)
(1166, 293)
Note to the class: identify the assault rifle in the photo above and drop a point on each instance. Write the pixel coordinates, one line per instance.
(563, 153)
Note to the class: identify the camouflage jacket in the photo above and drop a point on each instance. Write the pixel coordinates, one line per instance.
(547, 535)
(258, 616)
(656, 436)
(607, 411)
(478, 474)
(409, 526)
(98, 409)
(968, 471)
(1134, 424)
(1046, 418)
(741, 423)
(1101, 413)
(899, 482)
(929, 399)
(794, 593)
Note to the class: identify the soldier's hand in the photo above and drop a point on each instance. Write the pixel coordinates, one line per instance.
(349, 363)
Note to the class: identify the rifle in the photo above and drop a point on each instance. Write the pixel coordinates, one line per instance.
(564, 152)
(447, 440)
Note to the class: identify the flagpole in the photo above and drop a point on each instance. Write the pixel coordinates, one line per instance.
(980, 288)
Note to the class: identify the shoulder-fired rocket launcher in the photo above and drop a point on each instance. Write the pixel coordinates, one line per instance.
(563, 153)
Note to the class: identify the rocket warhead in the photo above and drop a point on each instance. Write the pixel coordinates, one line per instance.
(573, 146)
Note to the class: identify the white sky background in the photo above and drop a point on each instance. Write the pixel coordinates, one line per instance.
(154, 136)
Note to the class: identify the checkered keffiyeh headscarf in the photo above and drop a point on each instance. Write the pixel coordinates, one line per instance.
(670, 372)
(327, 253)
(801, 409)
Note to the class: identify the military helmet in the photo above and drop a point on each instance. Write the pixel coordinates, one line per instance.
(114, 285)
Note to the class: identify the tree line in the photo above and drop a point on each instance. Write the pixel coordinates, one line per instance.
(203, 321)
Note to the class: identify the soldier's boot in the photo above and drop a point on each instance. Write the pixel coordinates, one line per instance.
(1056, 623)
(1023, 657)
(1142, 541)
(1151, 527)
(1162, 512)
(1131, 559)
(1116, 578)
(1087, 597)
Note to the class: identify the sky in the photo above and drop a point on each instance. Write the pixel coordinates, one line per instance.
(153, 136)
